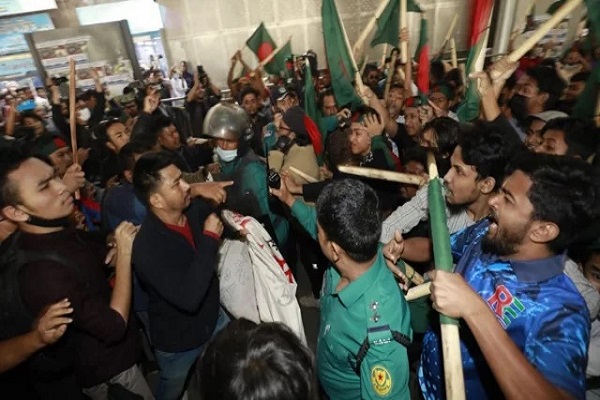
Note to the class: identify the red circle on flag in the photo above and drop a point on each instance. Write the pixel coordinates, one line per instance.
(264, 50)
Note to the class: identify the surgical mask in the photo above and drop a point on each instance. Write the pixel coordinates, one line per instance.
(518, 107)
(84, 114)
(226, 155)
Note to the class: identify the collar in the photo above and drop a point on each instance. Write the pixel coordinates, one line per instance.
(355, 289)
(539, 270)
(531, 271)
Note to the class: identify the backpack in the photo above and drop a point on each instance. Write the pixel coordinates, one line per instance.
(15, 318)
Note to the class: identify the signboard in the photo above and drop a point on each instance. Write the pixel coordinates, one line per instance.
(13, 7)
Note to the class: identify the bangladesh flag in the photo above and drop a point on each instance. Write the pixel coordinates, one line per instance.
(469, 108)
(261, 44)
(593, 16)
(388, 23)
(422, 58)
(339, 57)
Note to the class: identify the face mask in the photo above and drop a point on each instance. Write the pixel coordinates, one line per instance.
(518, 107)
(84, 114)
(226, 155)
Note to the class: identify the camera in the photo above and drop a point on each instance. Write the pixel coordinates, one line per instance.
(59, 80)
(273, 179)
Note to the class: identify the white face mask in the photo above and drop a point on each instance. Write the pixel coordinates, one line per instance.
(84, 114)
(226, 155)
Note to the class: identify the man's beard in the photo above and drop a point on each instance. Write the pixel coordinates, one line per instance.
(504, 243)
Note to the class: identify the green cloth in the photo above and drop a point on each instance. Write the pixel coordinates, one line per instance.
(261, 44)
(254, 180)
(369, 307)
(339, 59)
(388, 23)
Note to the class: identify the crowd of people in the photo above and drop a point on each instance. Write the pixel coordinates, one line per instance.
(113, 248)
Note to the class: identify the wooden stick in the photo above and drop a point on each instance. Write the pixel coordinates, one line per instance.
(413, 275)
(383, 55)
(273, 54)
(303, 175)
(416, 292)
(390, 77)
(403, 24)
(449, 34)
(453, 53)
(364, 65)
(73, 114)
(357, 78)
(558, 16)
(453, 368)
(359, 45)
(383, 174)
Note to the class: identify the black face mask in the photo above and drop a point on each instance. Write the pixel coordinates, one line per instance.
(518, 108)
(63, 222)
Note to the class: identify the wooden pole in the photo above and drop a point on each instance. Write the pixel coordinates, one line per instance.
(453, 53)
(391, 176)
(303, 175)
(403, 25)
(364, 65)
(73, 113)
(272, 55)
(453, 368)
(390, 77)
(533, 40)
(417, 292)
(383, 55)
(597, 117)
(359, 45)
(449, 33)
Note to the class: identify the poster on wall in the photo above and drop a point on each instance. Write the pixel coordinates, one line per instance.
(106, 48)
(16, 62)
(12, 7)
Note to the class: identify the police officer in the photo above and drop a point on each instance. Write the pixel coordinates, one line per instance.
(229, 126)
(365, 320)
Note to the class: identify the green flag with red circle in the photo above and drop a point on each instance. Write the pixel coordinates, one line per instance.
(261, 43)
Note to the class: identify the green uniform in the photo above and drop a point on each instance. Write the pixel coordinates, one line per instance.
(370, 307)
(251, 175)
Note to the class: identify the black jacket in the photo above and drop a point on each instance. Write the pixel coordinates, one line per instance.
(181, 282)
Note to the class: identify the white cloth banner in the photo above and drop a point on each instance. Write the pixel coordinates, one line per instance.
(274, 283)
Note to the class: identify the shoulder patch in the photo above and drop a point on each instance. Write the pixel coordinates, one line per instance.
(381, 380)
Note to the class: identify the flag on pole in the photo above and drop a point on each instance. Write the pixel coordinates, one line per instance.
(469, 108)
(593, 17)
(261, 44)
(388, 23)
(339, 58)
(422, 58)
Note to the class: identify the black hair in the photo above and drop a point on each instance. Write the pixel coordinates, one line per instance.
(564, 190)
(454, 78)
(12, 155)
(264, 361)
(488, 150)
(337, 148)
(322, 95)
(126, 158)
(437, 71)
(417, 154)
(146, 174)
(29, 114)
(246, 91)
(348, 213)
(446, 130)
(580, 135)
(100, 131)
(548, 82)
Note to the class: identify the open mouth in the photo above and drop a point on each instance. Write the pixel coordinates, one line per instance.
(493, 220)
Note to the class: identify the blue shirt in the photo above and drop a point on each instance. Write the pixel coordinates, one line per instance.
(534, 301)
(121, 204)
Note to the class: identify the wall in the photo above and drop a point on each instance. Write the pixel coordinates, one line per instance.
(209, 32)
